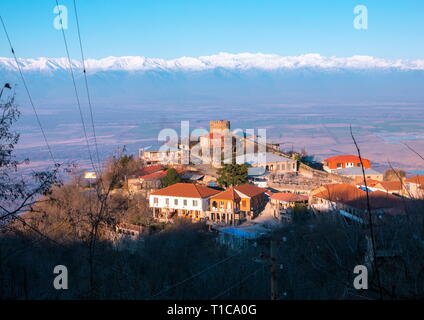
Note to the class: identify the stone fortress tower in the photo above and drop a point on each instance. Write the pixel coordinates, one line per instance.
(219, 126)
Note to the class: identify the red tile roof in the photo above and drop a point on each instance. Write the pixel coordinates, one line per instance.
(154, 176)
(370, 182)
(378, 200)
(186, 190)
(390, 185)
(356, 198)
(158, 175)
(250, 190)
(288, 197)
(229, 194)
(333, 161)
(418, 179)
(338, 192)
(151, 169)
(345, 158)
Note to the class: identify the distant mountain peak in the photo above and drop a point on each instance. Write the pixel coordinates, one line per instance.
(240, 61)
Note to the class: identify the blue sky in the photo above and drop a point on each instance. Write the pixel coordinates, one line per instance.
(174, 28)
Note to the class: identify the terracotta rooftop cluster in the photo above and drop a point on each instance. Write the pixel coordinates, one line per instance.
(357, 198)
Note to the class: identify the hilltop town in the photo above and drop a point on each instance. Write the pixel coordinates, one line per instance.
(215, 153)
(213, 217)
(275, 187)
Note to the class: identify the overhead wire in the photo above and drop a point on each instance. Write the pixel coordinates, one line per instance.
(71, 70)
(238, 283)
(86, 84)
(193, 276)
(28, 91)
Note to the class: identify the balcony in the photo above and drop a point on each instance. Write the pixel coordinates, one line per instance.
(227, 210)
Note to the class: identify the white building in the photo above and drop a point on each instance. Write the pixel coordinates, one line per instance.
(268, 162)
(154, 155)
(415, 187)
(182, 199)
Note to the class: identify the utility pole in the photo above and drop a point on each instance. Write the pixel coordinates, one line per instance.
(273, 259)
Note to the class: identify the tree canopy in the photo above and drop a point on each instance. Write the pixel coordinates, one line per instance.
(232, 175)
(393, 175)
(172, 177)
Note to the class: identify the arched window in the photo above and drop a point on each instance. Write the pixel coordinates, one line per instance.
(214, 205)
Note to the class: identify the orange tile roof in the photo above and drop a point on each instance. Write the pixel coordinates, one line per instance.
(186, 190)
(378, 200)
(250, 190)
(333, 162)
(154, 176)
(386, 185)
(356, 198)
(158, 175)
(370, 182)
(418, 179)
(391, 185)
(151, 169)
(345, 158)
(338, 192)
(288, 197)
(229, 194)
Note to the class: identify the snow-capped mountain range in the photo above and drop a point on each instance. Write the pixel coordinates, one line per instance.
(223, 78)
(241, 61)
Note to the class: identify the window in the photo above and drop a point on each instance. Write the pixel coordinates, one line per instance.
(339, 165)
(155, 200)
(214, 205)
(194, 203)
(185, 202)
(243, 203)
(176, 202)
(167, 201)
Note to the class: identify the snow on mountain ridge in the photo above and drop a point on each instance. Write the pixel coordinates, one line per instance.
(241, 61)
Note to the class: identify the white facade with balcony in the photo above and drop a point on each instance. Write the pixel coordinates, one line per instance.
(193, 207)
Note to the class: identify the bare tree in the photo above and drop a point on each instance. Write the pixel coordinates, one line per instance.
(18, 192)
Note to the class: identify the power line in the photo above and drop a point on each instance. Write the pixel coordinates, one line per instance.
(86, 84)
(71, 70)
(27, 91)
(237, 284)
(193, 276)
(46, 237)
(373, 244)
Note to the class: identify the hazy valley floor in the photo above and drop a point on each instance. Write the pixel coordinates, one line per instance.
(381, 130)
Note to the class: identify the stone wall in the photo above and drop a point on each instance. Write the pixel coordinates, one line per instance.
(218, 126)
